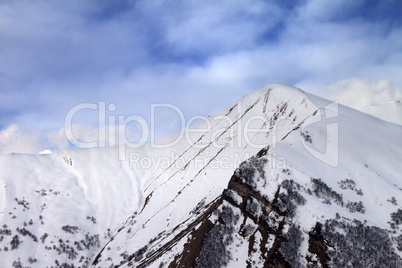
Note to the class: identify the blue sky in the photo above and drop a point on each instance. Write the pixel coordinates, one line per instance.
(200, 56)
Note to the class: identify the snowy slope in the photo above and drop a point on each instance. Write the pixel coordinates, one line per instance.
(175, 195)
(89, 207)
(363, 184)
(390, 111)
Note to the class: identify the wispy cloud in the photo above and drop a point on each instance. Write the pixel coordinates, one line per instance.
(198, 55)
(12, 139)
(359, 94)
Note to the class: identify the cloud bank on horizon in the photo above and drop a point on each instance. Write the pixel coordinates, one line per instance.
(200, 56)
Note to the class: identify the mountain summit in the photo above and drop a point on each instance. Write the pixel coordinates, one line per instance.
(281, 178)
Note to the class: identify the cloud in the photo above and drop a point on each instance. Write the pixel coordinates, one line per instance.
(381, 98)
(200, 56)
(358, 93)
(12, 139)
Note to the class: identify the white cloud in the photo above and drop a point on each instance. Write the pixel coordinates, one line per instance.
(13, 140)
(200, 57)
(379, 98)
(358, 93)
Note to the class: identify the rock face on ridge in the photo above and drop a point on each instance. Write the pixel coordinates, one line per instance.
(247, 221)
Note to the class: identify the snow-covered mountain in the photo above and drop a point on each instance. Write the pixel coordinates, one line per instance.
(281, 178)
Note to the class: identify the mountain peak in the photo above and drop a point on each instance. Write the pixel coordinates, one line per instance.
(280, 178)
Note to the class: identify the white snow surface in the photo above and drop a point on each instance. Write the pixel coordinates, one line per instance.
(71, 187)
(390, 111)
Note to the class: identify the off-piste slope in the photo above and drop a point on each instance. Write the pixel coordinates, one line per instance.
(176, 196)
(281, 178)
(390, 111)
(320, 162)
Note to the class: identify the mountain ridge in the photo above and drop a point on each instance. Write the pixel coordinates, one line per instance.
(278, 183)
